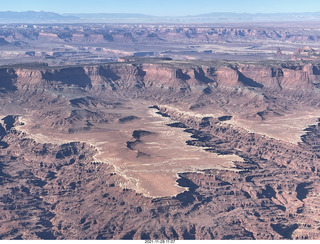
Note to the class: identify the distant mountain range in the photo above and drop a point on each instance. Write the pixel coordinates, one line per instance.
(218, 17)
(35, 17)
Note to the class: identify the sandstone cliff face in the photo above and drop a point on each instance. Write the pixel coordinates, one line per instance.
(263, 75)
(163, 76)
(121, 38)
(182, 34)
(290, 78)
(297, 79)
(227, 77)
(59, 192)
(49, 37)
(28, 77)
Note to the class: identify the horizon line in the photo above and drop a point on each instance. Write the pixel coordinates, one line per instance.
(196, 14)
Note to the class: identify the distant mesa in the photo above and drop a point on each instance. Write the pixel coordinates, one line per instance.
(301, 53)
(142, 57)
(304, 51)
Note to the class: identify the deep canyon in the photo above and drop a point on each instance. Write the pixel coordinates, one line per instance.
(160, 149)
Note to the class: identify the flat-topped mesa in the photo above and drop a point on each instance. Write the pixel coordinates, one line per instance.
(297, 77)
(164, 75)
(156, 33)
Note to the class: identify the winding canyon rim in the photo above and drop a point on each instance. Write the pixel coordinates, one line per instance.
(159, 131)
(151, 161)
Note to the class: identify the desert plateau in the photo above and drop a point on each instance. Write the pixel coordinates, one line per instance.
(160, 131)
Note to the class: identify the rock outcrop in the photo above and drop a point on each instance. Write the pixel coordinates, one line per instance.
(171, 75)
(60, 191)
(154, 34)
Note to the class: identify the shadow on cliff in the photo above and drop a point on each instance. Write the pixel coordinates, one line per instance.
(186, 197)
(108, 73)
(248, 82)
(201, 77)
(7, 76)
(69, 76)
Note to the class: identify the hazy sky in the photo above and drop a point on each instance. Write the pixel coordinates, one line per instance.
(162, 7)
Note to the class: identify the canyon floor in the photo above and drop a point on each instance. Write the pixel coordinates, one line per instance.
(157, 147)
(142, 146)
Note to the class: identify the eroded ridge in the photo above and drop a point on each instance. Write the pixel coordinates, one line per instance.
(247, 204)
(146, 151)
(83, 157)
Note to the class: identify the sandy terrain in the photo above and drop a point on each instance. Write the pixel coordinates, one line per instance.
(141, 178)
(151, 167)
(152, 164)
(288, 127)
